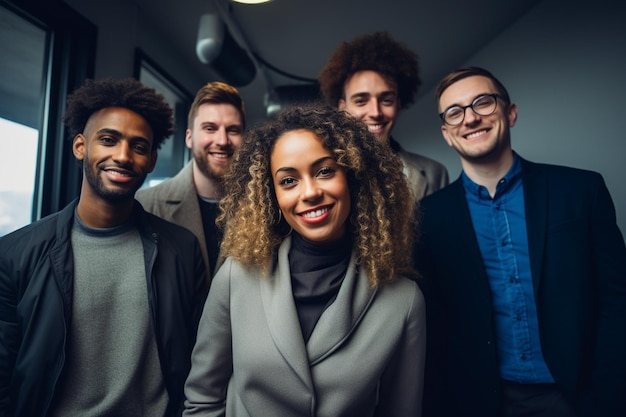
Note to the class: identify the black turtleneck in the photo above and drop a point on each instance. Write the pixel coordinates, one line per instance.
(317, 272)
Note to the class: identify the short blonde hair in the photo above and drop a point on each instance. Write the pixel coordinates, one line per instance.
(217, 92)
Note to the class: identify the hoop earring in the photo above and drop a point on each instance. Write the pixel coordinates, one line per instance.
(280, 217)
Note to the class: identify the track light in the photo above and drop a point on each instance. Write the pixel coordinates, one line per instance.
(217, 47)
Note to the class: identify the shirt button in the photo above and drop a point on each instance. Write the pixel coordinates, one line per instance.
(523, 357)
(512, 280)
(518, 317)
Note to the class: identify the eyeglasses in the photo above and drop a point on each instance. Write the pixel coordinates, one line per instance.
(484, 105)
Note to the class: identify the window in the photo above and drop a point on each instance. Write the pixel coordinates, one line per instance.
(22, 83)
(173, 153)
(47, 51)
(17, 174)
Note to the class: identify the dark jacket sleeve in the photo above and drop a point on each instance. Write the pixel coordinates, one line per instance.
(179, 288)
(433, 403)
(8, 327)
(608, 377)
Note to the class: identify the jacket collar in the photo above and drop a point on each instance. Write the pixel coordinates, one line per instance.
(334, 327)
(536, 207)
(412, 169)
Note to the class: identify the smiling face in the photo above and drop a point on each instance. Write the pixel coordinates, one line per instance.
(215, 135)
(373, 100)
(478, 139)
(116, 152)
(311, 188)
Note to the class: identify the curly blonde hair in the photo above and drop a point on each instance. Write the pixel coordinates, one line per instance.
(382, 205)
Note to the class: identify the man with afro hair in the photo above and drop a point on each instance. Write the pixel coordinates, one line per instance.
(100, 302)
(373, 77)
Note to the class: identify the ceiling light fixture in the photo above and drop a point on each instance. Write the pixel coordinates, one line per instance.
(251, 1)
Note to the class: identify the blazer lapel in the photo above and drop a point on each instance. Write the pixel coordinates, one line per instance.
(415, 174)
(188, 214)
(536, 207)
(341, 318)
(183, 206)
(282, 317)
(182, 191)
(464, 246)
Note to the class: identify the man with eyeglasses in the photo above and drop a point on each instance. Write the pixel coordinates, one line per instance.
(524, 274)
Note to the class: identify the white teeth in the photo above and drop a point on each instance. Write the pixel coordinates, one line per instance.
(316, 213)
(373, 128)
(121, 174)
(475, 134)
(220, 155)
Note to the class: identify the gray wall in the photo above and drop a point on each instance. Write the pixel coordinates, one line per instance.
(122, 26)
(564, 65)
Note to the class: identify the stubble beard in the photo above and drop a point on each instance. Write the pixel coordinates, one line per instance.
(207, 170)
(112, 196)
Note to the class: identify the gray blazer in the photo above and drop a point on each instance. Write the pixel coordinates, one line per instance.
(364, 358)
(176, 200)
(425, 175)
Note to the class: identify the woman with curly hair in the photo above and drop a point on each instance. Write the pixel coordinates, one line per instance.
(312, 313)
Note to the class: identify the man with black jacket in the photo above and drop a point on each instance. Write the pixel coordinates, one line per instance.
(99, 303)
(524, 274)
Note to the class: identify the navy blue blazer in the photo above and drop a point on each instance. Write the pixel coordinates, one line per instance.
(578, 265)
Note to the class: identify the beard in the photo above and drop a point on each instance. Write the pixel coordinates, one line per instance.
(215, 174)
(110, 195)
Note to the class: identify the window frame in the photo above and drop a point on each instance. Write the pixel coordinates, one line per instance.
(70, 60)
(180, 153)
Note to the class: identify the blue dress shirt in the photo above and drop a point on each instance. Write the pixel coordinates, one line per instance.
(500, 226)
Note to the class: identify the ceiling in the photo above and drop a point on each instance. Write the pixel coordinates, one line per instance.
(298, 36)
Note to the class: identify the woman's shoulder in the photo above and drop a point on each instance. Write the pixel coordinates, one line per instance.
(402, 282)
(400, 302)
(232, 270)
(402, 289)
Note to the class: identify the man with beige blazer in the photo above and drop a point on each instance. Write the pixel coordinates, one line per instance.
(215, 126)
(425, 175)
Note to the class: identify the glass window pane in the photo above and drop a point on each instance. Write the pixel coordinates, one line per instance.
(17, 174)
(23, 49)
(166, 165)
(173, 153)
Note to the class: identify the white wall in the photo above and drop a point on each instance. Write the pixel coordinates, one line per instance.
(564, 65)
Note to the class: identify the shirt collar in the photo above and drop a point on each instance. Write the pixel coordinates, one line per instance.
(513, 175)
